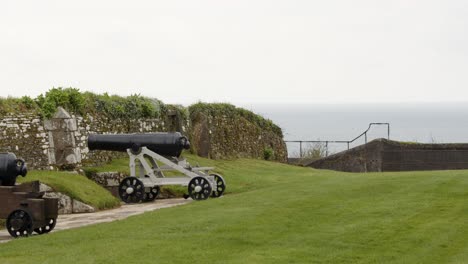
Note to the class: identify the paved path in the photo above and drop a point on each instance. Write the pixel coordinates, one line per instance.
(126, 210)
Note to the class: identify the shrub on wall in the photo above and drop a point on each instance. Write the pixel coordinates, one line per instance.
(130, 107)
(268, 154)
(74, 101)
(68, 98)
(17, 105)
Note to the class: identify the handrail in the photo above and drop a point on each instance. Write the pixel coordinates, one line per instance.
(340, 141)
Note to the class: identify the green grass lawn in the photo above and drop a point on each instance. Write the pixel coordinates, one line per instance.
(275, 213)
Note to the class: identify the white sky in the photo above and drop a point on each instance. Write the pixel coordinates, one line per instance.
(241, 51)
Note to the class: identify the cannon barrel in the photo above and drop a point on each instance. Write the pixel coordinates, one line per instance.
(165, 144)
(10, 168)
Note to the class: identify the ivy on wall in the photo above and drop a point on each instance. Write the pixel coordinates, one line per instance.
(231, 111)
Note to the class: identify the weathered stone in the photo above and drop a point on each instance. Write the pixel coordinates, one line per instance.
(70, 124)
(108, 178)
(61, 113)
(45, 188)
(79, 207)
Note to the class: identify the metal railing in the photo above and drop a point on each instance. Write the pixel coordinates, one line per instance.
(348, 142)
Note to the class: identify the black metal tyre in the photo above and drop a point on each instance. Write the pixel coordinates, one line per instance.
(131, 190)
(19, 223)
(152, 194)
(220, 185)
(199, 188)
(47, 228)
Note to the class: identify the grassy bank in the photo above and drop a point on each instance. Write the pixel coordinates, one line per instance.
(76, 186)
(275, 213)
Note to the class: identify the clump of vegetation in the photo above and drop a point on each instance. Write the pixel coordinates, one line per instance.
(77, 102)
(17, 105)
(315, 151)
(182, 111)
(232, 111)
(133, 106)
(268, 153)
(69, 98)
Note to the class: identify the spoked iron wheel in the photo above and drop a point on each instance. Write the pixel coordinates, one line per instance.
(50, 224)
(19, 223)
(220, 185)
(131, 190)
(152, 194)
(199, 188)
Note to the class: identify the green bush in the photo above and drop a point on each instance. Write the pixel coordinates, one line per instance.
(76, 102)
(268, 154)
(28, 102)
(69, 98)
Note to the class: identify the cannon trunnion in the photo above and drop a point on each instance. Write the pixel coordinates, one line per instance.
(23, 206)
(146, 153)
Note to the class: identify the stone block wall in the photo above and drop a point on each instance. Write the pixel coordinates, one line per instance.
(61, 141)
(221, 136)
(24, 134)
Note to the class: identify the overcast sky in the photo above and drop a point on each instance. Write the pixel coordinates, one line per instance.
(242, 51)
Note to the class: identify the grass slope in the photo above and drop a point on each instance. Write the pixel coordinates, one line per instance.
(275, 213)
(76, 186)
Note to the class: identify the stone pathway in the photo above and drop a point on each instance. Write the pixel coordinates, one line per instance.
(77, 220)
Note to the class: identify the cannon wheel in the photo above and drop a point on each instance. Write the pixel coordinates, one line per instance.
(131, 190)
(220, 185)
(199, 188)
(152, 194)
(48, 227)
(19, 223)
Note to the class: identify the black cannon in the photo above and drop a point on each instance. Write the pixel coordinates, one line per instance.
(23, 206)
(166, 144)
(147, 152)
(11, 168)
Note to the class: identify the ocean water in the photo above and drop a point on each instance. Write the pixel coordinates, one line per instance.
(416, 122)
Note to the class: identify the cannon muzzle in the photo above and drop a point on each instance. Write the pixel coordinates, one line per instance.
(10, 168)
(165, 144)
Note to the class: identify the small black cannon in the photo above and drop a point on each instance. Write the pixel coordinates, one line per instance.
(145, 151)
(23, 206)
(10, 168)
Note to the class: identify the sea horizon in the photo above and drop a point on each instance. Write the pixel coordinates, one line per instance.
(415, 122)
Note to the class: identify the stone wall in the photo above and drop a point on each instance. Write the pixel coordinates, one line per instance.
(385, 155)
(61, 141)
(24, 135)
(220, 136)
